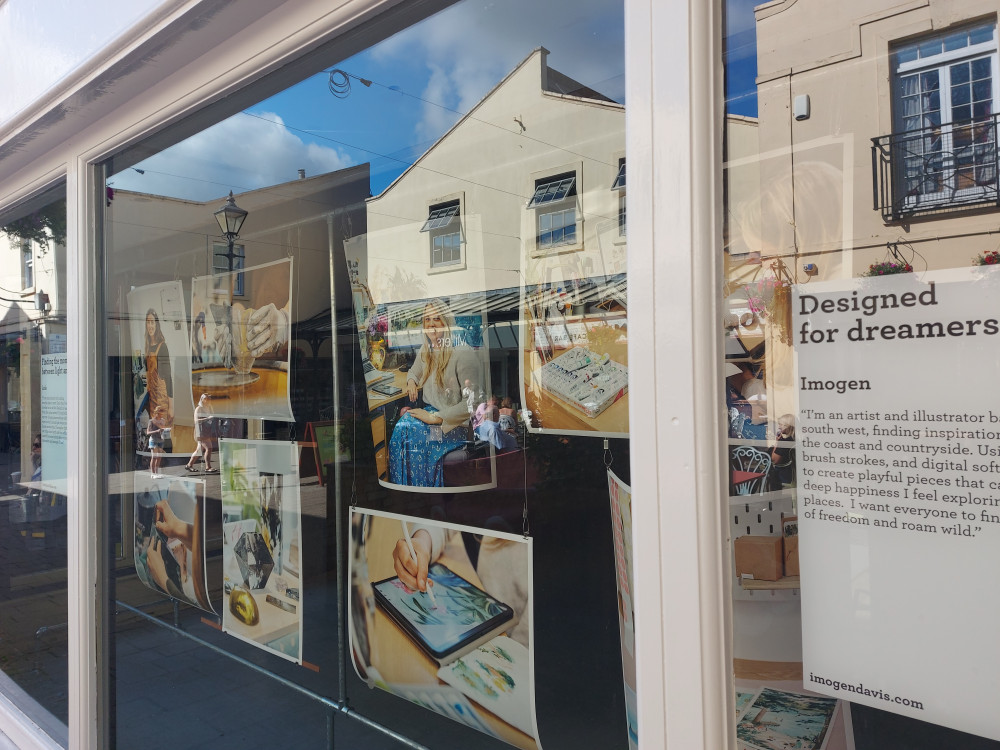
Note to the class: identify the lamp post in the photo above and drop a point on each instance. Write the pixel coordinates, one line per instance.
(230, 218)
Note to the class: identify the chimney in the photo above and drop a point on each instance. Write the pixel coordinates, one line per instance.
(302, 174)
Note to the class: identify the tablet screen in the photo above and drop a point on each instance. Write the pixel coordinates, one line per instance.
(463, 612)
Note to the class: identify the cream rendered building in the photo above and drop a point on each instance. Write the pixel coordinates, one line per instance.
(906, 74)
(505, 148)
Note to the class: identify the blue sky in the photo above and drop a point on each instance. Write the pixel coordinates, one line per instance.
(423, 78)
(740, 57)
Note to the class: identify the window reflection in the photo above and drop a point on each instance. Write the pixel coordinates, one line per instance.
(34, 374)
(398, 326)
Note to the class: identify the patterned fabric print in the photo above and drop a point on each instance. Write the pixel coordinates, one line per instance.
(417, 451)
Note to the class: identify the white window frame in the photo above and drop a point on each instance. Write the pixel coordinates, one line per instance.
(533, 213)
(455, 226)
(941, 62)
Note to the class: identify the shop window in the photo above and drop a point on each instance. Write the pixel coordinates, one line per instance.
(619, 185)
(942, 152)
(444, 228)
(554, 201)
(459, 350)
(35, 377)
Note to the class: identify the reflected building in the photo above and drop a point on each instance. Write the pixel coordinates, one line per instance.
(307, 220)
(33, 323)
(526, 189)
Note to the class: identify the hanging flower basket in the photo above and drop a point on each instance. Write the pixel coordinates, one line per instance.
(991, 258)
(761, 294)
(887, 268)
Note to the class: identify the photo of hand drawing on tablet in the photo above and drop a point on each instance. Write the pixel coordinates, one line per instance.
(441, 616)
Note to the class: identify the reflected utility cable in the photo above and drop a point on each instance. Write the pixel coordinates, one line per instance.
(404, 161)
(397, 90)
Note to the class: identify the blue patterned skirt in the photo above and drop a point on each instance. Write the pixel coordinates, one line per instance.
(417, 451)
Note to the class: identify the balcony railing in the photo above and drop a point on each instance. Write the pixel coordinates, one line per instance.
(940, 169)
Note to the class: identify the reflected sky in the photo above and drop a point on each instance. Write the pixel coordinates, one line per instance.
(423, 80)
(740, 58)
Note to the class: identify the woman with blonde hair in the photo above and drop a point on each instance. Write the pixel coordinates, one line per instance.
(423, 436)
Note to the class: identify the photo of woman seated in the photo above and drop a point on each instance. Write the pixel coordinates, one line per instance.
(444, 366)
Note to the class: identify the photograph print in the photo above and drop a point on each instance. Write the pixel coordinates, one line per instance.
(443, 627)
(262, 545)
(239, 350)
(169, 539)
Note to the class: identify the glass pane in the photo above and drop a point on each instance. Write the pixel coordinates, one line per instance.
(982, 90)
(930, 48)
(981, 68)
(956, 41)
(960, 95)
(414, 355)
(831, 412)
(34, 378)
(906, 54)
(930, 81)
(908, 85)
(981, 34)
(959, 73)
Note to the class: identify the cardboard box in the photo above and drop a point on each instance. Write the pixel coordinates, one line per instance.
(791, 544)
(759, 557)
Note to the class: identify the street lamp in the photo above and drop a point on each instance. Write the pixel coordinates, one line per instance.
(230, 218)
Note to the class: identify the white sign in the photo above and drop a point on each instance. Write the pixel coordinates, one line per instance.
(899, 493)
(54, 411)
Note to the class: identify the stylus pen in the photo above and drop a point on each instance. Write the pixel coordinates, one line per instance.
(413, 554)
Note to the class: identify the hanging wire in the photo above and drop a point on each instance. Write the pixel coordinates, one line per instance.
(340, 83)
(525, 530)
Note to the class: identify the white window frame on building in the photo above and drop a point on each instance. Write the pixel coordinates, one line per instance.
(554, 195)
(951, 158)
(445, 232)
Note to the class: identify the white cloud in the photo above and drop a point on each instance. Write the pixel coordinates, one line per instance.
(241, 153)
(469, 47)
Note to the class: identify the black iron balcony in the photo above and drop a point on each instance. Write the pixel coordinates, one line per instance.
(940, 169)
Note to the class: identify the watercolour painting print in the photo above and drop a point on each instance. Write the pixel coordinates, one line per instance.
(780, 719)
(469, 629)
